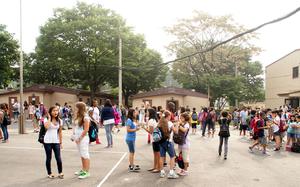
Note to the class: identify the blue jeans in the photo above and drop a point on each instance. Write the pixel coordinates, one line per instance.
(131, 146)
(167, 147)
(5, 132)
(204, 124)
(48, 149)
(108, 129)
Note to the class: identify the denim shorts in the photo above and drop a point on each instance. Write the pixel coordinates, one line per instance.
(167, 147)
(131, 146)
(155, 146)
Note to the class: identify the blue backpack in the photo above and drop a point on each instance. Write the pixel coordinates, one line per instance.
(157, 135)
(93, 131)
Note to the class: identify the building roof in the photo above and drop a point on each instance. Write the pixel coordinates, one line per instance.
(283, 57)
(51, 89)
(170, 90)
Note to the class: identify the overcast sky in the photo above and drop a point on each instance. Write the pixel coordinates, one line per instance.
(149, 17)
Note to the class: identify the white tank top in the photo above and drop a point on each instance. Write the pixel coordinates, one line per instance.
(51, 135)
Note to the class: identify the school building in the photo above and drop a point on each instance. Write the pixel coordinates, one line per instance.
(283, 82)
(49, 95)
(178, 96)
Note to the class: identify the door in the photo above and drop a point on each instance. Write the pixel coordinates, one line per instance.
(11, 101)
(34, 100)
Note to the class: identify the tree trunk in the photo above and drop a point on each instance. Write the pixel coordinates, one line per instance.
(126, 97)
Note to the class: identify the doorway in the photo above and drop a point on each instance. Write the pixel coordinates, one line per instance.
(11, 101)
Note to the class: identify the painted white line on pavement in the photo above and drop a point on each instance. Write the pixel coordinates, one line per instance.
(68, 150)
(112, 170)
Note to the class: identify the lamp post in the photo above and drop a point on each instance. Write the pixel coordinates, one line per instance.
(21, 122)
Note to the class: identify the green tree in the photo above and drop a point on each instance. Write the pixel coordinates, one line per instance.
(77, 47)
(9, 56)
(143, 70)
(215, 69)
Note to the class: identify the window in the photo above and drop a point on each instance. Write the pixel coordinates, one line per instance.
(295, 72)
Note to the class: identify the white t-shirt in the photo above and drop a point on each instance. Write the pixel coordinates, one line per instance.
(51, 135)
(275, 127)
(187, 140)
(152, 123)
(96, 113)
(170, 125)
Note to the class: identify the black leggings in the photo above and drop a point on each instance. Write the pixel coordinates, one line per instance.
(48, 149)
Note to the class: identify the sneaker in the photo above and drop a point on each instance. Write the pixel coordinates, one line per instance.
(173, 176)
(165, 164)
(78, 172)
(251, 149)
(136, 168)
(225, 157)
(84, 175)
(162, 174)
(276, 149)
(183, 173)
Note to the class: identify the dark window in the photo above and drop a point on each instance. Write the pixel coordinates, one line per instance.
(295, 72)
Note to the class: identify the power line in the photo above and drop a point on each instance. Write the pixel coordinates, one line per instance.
(214, 46)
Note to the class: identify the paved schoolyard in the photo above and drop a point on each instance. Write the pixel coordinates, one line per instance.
(22, 164)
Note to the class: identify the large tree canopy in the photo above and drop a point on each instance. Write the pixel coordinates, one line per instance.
(9, 56)
(216, 69)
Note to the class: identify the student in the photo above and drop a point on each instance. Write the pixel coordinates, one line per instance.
(184, 149)
(166, 145)
(262, 140)
(53, 141)
(224, 133)
(131, 126)
(4, 122)
(243, 117)
(291, 135)
(108, 120)
(151, 125)
(81, 138)
(96, 117)
(275, 127)
(194, 118)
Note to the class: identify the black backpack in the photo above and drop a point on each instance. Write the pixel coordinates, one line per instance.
(295, 148)
(180, 137)
(42, 133)
(93, 131)
(6, 120)
(224, 128)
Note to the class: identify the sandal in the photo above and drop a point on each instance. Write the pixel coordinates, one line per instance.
(151, 169)
(51, 176)
(61, 176)
(155, 171)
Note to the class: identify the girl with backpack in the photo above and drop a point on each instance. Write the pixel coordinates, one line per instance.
(194, 118)
(224, 133)
(131, 126)
(184, 149)
(81, 138)
(53, 141)
(151, 125)
(166, 145)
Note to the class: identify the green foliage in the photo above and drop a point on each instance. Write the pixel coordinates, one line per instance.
(216, 69)
(9, 56)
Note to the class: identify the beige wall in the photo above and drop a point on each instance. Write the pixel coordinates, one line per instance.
(4, 98)
(190, 101)
(279, 79)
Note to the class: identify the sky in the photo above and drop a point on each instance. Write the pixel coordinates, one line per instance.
(150, 17)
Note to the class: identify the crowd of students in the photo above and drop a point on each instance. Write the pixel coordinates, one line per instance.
(168, 130)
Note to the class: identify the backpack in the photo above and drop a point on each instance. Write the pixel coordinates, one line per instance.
(194, 116)
(93, 131)
(224, 129)
(42, 133)
(209, 116)
(180, 137)
(157, 135)
(179, 161)
(295, 148)
(6, 120)
(282, 127)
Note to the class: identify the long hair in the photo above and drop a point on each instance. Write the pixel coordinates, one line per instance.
(186, 117)
(152, 114)
(163, 124)
(107, 103)
(81, 111)
(130, 114)
(51, 117)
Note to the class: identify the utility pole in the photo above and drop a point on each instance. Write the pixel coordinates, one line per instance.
(236, 75)
(120, 70)
(21, 122)
(208, 94)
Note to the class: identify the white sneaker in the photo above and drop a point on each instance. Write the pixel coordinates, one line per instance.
(78, 172)
(84, 175)
(173, 176)
(162, 174)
